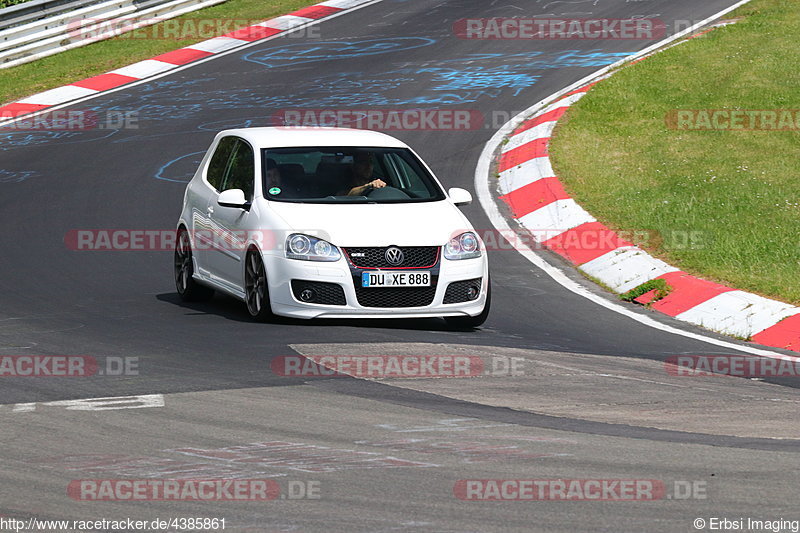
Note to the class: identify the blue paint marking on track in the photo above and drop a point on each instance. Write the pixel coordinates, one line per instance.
(181, 169)
(233, 123)
(451, 82)
(18, 139)
(15, 176)
(332, 50)
(535, 60)
(470, 78)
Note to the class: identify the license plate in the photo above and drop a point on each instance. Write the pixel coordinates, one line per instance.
(395, 279)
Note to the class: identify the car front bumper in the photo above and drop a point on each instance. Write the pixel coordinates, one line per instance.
(281, 271)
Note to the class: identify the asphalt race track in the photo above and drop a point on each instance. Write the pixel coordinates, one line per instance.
(593, 401)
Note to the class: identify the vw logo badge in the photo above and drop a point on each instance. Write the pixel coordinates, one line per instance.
(394, 256)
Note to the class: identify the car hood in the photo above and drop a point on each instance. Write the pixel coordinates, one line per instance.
(410, 224)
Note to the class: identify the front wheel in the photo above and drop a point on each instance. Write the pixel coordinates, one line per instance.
(188, 289)
(255, 287)
(472, 322)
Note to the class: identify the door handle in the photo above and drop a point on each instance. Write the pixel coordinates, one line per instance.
(210, 210)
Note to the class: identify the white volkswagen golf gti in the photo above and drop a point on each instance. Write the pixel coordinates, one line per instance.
(328, 222)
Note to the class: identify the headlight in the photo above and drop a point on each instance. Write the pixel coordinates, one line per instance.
(464, 246)
(307, 248)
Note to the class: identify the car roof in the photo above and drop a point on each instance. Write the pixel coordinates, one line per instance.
(288, 137)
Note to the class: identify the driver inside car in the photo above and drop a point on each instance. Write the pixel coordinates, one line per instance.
(362, 181)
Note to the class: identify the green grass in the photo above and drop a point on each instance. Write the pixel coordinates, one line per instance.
(739, 191)
(97, 58)
(658, 285)
(9, 3)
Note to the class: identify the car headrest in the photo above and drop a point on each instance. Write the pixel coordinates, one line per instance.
(292, 171)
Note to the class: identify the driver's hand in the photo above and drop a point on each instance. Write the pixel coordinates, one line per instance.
(377, 184)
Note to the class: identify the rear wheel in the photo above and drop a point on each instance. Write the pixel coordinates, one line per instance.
(188, 289)
(255, 287)
(471, 322)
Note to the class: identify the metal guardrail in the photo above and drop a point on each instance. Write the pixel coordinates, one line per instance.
(40, 28)
(33, 10)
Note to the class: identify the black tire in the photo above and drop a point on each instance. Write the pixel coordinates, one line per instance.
(256, 288)
(472, 322)
(188, 289)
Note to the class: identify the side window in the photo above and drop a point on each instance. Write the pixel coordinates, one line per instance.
(241, 169)
(219, 162)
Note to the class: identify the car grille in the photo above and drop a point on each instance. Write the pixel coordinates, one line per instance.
(323, 293)
(414, 257)
(396, 296)
(458, 291)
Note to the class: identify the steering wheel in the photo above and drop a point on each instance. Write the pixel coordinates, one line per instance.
(386, 193)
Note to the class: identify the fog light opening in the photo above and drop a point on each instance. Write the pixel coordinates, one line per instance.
(473, 292)
(307, 295)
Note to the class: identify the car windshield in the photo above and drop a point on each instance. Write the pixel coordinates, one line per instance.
(347, 175)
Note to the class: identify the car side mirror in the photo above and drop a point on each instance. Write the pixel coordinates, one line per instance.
(233, 198)
(459, 196)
